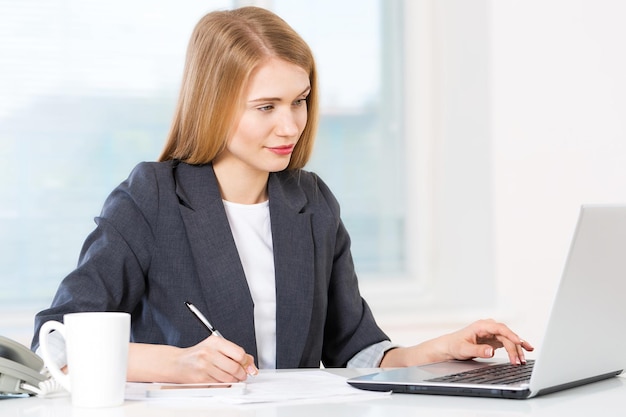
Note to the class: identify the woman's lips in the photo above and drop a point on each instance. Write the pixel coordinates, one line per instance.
(281, 150)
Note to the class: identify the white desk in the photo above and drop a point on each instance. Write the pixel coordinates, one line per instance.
(605, 398)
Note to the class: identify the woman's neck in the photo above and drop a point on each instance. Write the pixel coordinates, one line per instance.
(240, 185)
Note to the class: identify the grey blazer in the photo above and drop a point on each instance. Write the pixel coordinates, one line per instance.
(163, 238)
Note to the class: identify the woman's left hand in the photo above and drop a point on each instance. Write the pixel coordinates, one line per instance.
(481, 338)
(478, 340)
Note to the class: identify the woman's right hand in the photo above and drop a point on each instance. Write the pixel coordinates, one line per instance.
(214, 359)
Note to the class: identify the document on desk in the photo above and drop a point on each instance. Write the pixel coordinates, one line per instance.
(276, 387)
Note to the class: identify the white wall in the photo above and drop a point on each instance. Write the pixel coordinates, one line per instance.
(559, 135)
(555, 108)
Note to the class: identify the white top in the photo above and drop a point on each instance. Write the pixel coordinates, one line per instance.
(251, 228)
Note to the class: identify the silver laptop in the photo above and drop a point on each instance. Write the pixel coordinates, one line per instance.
(584, 341)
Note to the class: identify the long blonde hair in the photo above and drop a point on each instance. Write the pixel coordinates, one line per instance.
(224, 49)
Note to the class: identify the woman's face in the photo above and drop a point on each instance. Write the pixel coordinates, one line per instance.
(272, 121)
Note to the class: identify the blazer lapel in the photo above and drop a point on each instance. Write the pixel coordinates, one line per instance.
(294, 268)
(225, 292)
(225, 297)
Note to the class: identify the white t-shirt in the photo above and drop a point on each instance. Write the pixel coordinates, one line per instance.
(251, 228)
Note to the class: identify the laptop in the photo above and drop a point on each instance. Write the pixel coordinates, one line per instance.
(584, 339)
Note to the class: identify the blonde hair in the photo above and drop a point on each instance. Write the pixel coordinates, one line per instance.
(224, 49)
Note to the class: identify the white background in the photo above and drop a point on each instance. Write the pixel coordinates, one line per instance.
(554, 107)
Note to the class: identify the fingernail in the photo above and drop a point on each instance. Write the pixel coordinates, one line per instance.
(252, 371)
(489, 352)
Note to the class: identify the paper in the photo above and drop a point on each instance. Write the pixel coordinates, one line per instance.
(311, 386)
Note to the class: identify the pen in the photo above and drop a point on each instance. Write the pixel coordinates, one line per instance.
(250, 369)
(203, 319)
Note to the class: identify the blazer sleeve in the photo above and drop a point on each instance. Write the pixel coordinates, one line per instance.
(115, 257)
(350, 324)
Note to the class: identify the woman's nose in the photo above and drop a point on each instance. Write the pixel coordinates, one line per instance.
(287, 124)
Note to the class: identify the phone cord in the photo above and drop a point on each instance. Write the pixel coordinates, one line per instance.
(44, 388)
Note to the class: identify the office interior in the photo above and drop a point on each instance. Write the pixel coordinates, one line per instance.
(494, 121)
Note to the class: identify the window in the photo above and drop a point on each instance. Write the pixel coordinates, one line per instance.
(87, 91)
(359, 147)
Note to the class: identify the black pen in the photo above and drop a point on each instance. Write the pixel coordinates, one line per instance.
(203, 319)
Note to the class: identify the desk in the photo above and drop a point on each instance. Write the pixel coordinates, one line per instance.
(604, 398)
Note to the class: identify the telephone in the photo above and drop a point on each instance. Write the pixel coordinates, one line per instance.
(22, 371)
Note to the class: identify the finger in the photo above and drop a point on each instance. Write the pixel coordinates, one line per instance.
(516, 351)
(471, 350)
(524, 345)
(527, 346)
(513, 350)
(228, 370)
(238, 355)
(520, 354)
(499, 335)
(249, 367)
(218, 374)
(491, 328)
(239, 364)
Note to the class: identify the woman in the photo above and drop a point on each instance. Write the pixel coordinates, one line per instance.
(228, 220)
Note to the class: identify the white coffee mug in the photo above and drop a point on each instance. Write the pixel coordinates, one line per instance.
(96, 344)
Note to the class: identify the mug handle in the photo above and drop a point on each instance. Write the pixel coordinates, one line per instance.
(55, 371)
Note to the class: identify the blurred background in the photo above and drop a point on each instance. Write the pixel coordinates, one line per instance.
(460, 138)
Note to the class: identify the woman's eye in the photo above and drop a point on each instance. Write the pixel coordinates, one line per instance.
(300, 102)
(266, 108)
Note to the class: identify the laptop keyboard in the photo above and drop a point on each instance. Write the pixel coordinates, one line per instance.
(502, 374)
